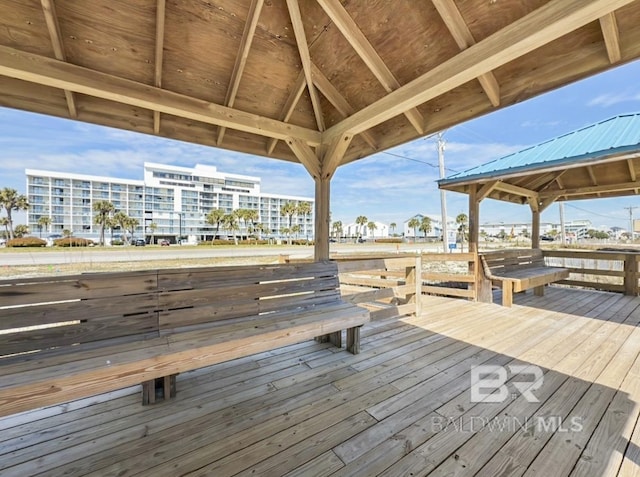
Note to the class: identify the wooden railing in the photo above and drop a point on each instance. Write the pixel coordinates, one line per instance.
(450, 274)
(601, 270)
(387, 287)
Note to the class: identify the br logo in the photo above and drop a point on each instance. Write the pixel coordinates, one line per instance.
(489, 382)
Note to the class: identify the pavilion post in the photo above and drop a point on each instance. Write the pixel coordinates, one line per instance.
(482, 283)
(535, 226)
(321, 247)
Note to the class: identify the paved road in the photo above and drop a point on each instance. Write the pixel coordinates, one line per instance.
(127, 254)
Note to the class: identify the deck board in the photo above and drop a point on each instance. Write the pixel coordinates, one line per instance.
(392, 410)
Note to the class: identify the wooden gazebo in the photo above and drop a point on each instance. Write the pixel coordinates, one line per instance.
(321, 83)
(597, 161)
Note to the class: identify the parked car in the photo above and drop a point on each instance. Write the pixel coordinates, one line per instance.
(139, 242)
(52, 238)
(164, 243)
(546, 238)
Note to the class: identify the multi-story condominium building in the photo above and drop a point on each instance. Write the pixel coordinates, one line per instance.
(175, 199)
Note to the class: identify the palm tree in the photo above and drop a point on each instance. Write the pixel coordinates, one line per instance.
(337, 228)
(43, 221)
(304, 209)
(131, 225)
(462, 221)
(11, 200)
(153, 227)
(414, 223)
(121, 221)
(372, 227)
(392, 227)
(230, 222)
(4, 222)
(111, 224)
(251, 218)
(288, 209)
(361, 221)
(296, 230)
(215, 217)
(103, 209)
(425, 226)
(21, 230)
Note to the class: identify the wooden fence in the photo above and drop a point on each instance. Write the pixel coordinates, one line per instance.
(601, 270)
(450, 274)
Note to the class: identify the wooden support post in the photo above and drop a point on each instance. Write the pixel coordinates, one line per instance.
(321, 247)
(353, 340)
(159, 389)
(507, 293)
(482, 286)
(484, 292)
(474, 218)
(336, 339)
(535, 227)
(418, 280)
(631, 275)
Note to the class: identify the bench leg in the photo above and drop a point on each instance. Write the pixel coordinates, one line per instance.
(158, 389)
(538, 291)
(323, 338)
(353, 340)
(336, 339)
(507, 294)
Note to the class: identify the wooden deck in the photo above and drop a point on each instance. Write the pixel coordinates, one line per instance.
(401, 407)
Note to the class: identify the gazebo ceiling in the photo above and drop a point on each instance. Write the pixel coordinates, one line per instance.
(321, 82)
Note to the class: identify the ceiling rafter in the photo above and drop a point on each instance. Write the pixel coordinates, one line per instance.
(538, 28)
(611, 34)
(368, 54)
(485, 190)
(592, 175)
(305, 58)
(159, 57)
(337, 100)
(51, 19)
(58, 74)
(592, 190)
(515, 190)
(289, 107)
(241, 58)
(306, 156)
(632, 169)
(464, 38)
(334, 154)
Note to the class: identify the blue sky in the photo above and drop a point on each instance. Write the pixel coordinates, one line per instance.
(383, 187)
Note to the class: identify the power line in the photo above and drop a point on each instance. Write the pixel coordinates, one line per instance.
(594, 213)
(435, 166)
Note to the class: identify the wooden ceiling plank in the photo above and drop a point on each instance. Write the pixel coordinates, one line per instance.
(464, 38)
(593, 189)
(611, 34)
(289, 107)
(51, 19)
(334, 154)
(305, 58)
(306, 156)
(159, 56)
(515, 190)
(58, 74)
(241, 58)
(364, 49)
(538, 28)
(337, 100)
(592, 176)
(632, 170)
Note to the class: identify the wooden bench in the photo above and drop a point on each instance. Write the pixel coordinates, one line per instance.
(64, 338)
(519, 270)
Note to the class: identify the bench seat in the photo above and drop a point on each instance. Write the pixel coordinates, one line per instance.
(519, 270)
(187, 337)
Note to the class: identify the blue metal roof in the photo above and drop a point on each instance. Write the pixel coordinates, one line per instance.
(616, 135)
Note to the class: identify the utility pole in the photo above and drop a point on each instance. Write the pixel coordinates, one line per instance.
(443, 195)
(631, 209)
(563, 235)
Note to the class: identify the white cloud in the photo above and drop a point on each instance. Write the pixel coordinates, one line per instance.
(610, 99)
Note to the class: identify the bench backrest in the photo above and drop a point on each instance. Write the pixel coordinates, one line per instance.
(514, 259)
(68, 313)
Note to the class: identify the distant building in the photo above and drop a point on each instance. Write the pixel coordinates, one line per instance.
(576, 228)
(175, 199)
(436, 227)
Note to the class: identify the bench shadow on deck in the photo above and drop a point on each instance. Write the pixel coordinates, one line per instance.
(401, 407)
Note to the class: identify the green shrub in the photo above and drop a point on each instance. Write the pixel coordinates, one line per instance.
(27, 242)
(117, 242)
(300, 242)
(389, 240)
(73, 242)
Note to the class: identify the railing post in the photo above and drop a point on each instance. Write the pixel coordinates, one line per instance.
(631, 274)
(482, 284)
(418, 295)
